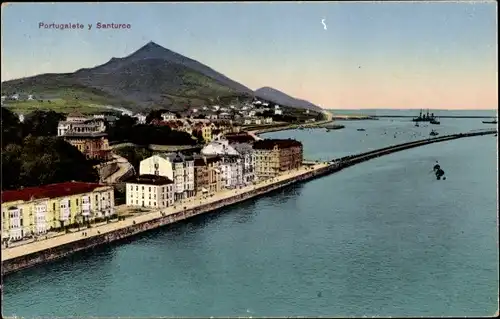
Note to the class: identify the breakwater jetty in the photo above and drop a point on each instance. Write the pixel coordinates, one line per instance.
(440, 116)
(34, 253)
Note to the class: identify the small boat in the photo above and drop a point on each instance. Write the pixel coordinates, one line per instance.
(434, 121)
(361, 129)
(433, 133)
(490, 122)
(416, 124)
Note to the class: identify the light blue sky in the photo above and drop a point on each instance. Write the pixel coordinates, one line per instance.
(372, 55)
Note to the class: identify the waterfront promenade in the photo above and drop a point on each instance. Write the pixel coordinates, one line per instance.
(37, 246)
(30, 252)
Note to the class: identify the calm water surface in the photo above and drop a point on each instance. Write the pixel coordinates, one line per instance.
(380, 238)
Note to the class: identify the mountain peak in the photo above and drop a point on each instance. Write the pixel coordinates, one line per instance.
(150, 50)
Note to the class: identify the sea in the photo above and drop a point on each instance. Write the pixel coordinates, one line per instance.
(381, 238)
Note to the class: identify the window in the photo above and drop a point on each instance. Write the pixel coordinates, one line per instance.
(149, 188)
(77, 202)
(142, 187)
(96, 198)
(53, 206)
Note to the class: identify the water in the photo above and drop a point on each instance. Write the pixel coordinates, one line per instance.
(380, 238)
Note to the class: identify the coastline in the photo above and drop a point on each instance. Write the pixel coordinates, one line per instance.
(31, 254)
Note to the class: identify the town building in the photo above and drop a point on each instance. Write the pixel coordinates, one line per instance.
(204, 129)
(175, 166)
(275, 156)
(141, 118)
(208, 177)
(232, 171)
(86, 134)
(34, 211)
(167, 116)
(247, 162)
(152, 191)
(237, 168)
(76, 117)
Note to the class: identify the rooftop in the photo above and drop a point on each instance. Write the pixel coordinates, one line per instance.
(75, 114)
(269, 144)
(240, 138)
(149, 179)
(84, 134)
(49, 191)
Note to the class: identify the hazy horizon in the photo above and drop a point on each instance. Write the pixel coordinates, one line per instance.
(372, 55)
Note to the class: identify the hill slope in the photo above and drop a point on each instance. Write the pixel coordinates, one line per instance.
(151, 77)
(275, 96)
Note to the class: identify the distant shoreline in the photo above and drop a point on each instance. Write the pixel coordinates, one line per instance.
(443, 116)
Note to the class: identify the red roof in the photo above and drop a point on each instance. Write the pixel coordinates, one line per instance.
(49, 191)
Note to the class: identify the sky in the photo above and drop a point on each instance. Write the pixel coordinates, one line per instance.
(372, 55)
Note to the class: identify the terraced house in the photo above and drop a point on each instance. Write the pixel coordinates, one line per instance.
(34, 211)
(208, 177)
(275, 156)
(177, 167)
(147, 190)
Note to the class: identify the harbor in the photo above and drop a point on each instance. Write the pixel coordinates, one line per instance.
(31, 254)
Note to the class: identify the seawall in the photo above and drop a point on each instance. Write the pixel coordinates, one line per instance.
(29, 260)
(130, 229)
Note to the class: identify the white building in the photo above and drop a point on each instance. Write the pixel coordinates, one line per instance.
(76, 117)
(219, 146)
(232, 171)
(141, 118)
(247, 163)
(176, 167)
(168, 116)
(152, 191)
(237, 165)
(224, 116)
(278, 112)
(231, 164)
(268, 120)
(90, 126)
(21, 118)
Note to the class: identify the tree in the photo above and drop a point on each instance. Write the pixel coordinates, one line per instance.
(155, 115)
(121, 130)
(134, 155)
(11, 128)
(44, 160)
(198, 134)
(42, 123)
